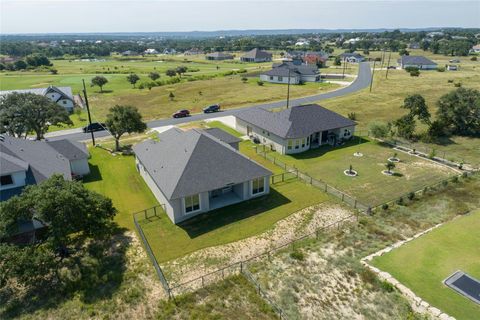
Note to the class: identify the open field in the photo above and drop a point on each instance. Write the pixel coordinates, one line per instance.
(435, 256)
(371, 186)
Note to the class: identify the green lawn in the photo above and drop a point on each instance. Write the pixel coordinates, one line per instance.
(370, 187)
(220, 125)
(435, 256)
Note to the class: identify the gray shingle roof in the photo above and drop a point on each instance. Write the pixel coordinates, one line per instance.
(43, 160)
(351, 54)
(416, 60)
(257, 54)
(222, 135)
(184, 163)
(220, 55)
(282, 70)
(72, 150)
(295, 122)
(65, 91)
(10, 164)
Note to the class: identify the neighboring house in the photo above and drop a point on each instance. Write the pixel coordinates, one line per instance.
(60, 95)
(452, 67)
(414, 45)
(219, 56)
(475, 49)
(192, 172)
(225, 137)
(150, 51)
(169, 51)
(129, 53)
(256, 55)
(291, 72)
(420, 62)
(309, 57)
(296, 129)
(193, 51)
(24, 162)
(352, 57)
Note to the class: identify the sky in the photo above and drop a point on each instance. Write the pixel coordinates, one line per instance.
(86, 16)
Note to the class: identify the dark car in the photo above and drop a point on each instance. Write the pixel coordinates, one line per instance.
(212, 108)
(95, 126)
(391, 67)
(181, 113)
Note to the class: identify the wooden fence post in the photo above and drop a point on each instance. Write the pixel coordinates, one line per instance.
(343, 195)
(355, 204)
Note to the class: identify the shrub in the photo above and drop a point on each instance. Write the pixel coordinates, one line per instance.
(455, 179)
(386, 286)
(410, 69)
(473, 58)
(379, 129)
(425, 190)
(352, 116)
(411, 196)
(432, 153)
(400, 201)
(260, 83)
(297, 255)
(450, 80)
(385, 206)
(414, 73)
(458, 84)
(368, 276)
(445, 183)
(244, 79)
(441, 69)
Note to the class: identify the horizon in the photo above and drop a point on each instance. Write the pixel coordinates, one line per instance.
(65, 17)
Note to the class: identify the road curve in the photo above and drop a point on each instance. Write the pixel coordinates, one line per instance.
(362, 81)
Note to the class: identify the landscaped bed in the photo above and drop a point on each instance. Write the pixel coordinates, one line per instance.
(370, 186)
(434, 257)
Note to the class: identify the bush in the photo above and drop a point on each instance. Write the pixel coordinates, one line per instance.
(410, 69)
(352, 116)
(414, 73)
(432, 153)
(441, 69)
(455, 179)
(400, 201)
(244, 79)
(386, 286)
(445, 183)
(297, 255)
(458, 84)
(260, 83)
(379, 129)
(473, 58)
(385, 206)
(411, 196)
(450, 80)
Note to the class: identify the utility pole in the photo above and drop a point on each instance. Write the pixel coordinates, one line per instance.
(383, 58)
(388, 64)
(373, 72)
(288, 89)
(88, 111)
(344, 65)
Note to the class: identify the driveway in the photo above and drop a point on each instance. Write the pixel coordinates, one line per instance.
(362, 81)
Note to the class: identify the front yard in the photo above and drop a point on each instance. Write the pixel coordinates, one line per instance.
(371, 186)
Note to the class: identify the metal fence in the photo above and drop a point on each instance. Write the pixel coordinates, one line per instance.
(293, 172)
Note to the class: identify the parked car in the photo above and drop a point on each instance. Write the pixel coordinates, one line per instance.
(94, 126)
(181, 113)
(212, 108)
(391, 67)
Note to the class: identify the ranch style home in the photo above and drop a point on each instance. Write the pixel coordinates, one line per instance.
(296, 129)
(24, 162)
(419, 62)
(60, 95)
(292, 72)
(256, 55)
(196, 171)
(352, 57)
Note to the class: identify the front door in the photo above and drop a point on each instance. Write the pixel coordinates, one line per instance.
(324, 136)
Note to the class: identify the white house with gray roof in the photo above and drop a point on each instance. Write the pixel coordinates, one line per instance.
(256, 55)
(293, 73)
(192, 172)
(419, 62)
(24, 162)
(60, 95)
(296, 129)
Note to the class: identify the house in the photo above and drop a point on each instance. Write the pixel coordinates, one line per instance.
(452, 67)
(475, 49)
(60, 95)
(192, 172)
(352, 57)
(219, 56)
(420, 62)
(414, 45)
(309, 57)
(169, 51)
(150, 51)
(296, 129)
(291, 72)
(193, 52)
(256, 55)
(24, 162)
(129, 53)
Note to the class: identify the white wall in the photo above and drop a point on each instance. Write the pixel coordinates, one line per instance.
(80, 167)
(66, 103)
(266, 138)
(18, 180)
(293, 80)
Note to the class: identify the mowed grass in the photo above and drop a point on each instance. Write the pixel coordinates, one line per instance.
(424, 263)
(370, 187)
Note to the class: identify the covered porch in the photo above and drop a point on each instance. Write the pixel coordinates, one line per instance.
(320, 138)
(225, 196)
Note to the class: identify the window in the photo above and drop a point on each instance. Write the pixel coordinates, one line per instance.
(280, 78)
(258, 185)
(289, 146)
(297, 144)
(271, 78)
(346, 133)
(303, 143)
(64, 101)
(308, 141)
(6, 180)
(192, 203)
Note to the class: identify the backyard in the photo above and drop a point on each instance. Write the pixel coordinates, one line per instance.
(371, 187)
(435, 256)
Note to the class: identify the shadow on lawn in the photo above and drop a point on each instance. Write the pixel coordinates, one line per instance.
(92, 273)
(314, 153)
(95, 174)
(212, 220)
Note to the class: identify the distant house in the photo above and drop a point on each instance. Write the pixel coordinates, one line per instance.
(290, 72)
(256, 55)
(169, 51)
(60, 95)
(309, 57)
(420, 62)
(150, 51)
(352, 57)
(129, 53)
(414, 45)
(193, 52)
(452, 67)
(24, 162)
(192, 172)
(475, 49)
(296, 129)
(219, 56)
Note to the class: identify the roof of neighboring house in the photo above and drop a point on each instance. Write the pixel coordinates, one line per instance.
(283, 68)
(64, 91)
(72, 150)
(219, 55)
(257, 54)
(476, 46)
(222, 135)
(352, 54)
(295, 122)
(10, 164)
(43, 160)
(189, 162)
(416, 60)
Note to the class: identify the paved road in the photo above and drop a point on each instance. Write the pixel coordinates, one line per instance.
(362, 81)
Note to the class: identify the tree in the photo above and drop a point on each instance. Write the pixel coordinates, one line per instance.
(390, 166)
(154, 75)
(133, 78)
(338, 61)
(36, 60)
(20, 65)
(459, 111)
(417, 107)
(436, 130)
(22, 113)
(124, 119)
(171, 95)
(171, 73)
(379, 129)
(405, 126)
(99, 81)
(181, 70)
